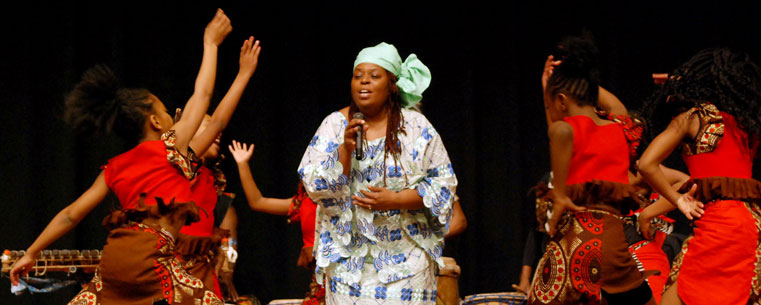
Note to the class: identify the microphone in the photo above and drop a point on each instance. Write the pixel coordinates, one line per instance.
(358, 153)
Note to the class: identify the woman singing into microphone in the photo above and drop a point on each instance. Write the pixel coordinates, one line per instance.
(381, 219)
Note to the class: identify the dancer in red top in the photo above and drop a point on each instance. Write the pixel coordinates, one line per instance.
(718, 94)
(198, 245)
(157, 167)
(587, 256)
(299, 208)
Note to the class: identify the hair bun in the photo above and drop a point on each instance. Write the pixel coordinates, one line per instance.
(579, 57)
(93, 104)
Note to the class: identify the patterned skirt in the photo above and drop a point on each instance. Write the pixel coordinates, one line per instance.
(198, 255)
(417, 289)
(588, 254)
(138, 266)
(649, 255)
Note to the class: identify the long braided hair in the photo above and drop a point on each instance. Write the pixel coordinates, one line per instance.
(729, 80)
(395, 124)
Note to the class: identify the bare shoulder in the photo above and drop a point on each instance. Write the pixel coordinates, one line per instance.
(687, 123)
(560, 130)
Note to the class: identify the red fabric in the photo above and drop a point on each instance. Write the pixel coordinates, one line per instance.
(599, 152)
(145, 169)
(205, 196)
(732, 152)
(720, 259)
(652, 257)
(307, 217)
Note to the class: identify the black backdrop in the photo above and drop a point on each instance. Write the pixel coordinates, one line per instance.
(485, 100)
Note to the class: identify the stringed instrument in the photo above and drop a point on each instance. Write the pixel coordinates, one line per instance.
(69, 261)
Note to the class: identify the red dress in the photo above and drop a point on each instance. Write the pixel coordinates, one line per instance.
(589, 253)
(197, 244)
(138, 264)
(152, 167)
(303, 210)
(722, 254)
(649, 254)
(205, 196)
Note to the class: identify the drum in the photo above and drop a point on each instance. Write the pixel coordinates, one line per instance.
(287, 302)
(496, 298)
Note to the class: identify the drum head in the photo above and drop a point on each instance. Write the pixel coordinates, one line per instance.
(496, 298)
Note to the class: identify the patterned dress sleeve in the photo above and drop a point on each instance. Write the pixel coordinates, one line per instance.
(187, 164)
(710, 132)
(633, 129)
(437, 188)
(320, 170)
(322, 175)
(436, 184)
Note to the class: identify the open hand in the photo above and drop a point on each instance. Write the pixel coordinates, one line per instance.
(217, 29)
(241, 151)
(378, 199)
(249, 56)
(690, 206)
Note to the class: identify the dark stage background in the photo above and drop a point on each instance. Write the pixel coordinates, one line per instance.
(485, 100)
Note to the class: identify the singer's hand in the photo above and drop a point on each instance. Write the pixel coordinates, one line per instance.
(351, 131)
(377, 199)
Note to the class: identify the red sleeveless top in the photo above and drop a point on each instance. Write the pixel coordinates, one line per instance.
(146, 169)
(204, 194)
(721, 148)
(599, 152)
(303, 210)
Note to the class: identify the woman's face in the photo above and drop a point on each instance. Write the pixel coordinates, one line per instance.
(163, 116)
(369, 87)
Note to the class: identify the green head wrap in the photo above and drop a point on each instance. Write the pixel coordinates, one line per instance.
(413, 77)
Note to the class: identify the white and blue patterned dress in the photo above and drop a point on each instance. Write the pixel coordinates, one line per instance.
(379, 256)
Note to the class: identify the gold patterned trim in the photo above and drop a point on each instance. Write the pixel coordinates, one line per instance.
(189, 164)
(711, 130)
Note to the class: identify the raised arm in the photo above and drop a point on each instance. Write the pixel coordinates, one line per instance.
(249, 58)
(549, 67)
(63, 222)
(196, 107)
(278, 206)
(658, 150)
(610, 103)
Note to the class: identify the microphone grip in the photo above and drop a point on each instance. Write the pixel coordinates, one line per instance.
(358, 139)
